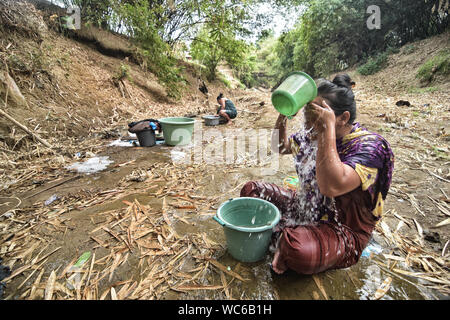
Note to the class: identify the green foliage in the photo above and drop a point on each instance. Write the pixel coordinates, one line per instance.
(285, 51)
(392, 50)
(326, 36)
(409, 49)
(152, 51)
(219, 38)
(225, 81)
(333, 34)
(439, 64)
(244, 70)
(215, 44)
(374, 64)
(123, 72)
(329, 36)
(264, 64)
(423, 90)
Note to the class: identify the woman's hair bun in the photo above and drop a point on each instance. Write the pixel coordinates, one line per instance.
(343, 80)
(220, 96)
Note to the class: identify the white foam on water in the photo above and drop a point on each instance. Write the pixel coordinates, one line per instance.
(121, 143)
(177, 155)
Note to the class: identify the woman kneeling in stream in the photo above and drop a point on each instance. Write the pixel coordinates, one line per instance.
(344, 176)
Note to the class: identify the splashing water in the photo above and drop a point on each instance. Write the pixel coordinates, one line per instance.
(309, 205)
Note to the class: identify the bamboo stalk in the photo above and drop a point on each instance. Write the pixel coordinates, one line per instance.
(21, 126)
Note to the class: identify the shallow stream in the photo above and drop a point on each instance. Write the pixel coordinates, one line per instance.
(357, 282)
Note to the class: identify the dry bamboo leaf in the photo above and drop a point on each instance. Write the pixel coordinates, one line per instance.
(386, 231)
(63, 289)
(143, 234)
(419, 228)
(383, 289)
(108, 221)
(224, 284)
(129, 237)
(150, 245)
(185, 207)
(320, 286)
(114, 265)
(124, 290)
(88, 294)
(50, 286)
(179, 255)
(31, 274)
(184, 220)
(433, 174)
(391, 257)
(420, 275)
(183, 275)
(195, 287)
(112, 233)
(46, 256)
(104, 294)
(17, 272)
(36, 284)
(208, 242)
(224, 269)
(401, 218)
(445, 248)
(101, 243)
(399, 226)
(29, 251)
(37, 256)
(90, 269)
(118, 222)
(427, 265)
(113, 294)
(412, 200)
(160, 239)
(132, 287)
(443, 223)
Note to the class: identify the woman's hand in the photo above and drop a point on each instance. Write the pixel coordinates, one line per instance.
(319, 117)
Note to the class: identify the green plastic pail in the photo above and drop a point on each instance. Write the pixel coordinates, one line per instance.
(296, 91)
(177, 131)
(248, 224)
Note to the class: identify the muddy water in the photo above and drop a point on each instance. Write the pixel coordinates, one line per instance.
(357, 282)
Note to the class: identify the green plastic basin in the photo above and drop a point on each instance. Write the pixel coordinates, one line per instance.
(248, 224)
(296, 91)
(177, 131)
